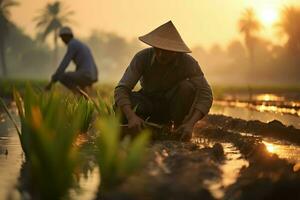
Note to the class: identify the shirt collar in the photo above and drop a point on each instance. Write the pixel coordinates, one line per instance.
(153, 59)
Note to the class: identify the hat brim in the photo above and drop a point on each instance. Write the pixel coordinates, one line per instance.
(163, 43)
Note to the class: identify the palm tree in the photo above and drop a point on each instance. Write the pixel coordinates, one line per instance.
(50, 20)
(5, 5)
(290, 26)
(249, 26)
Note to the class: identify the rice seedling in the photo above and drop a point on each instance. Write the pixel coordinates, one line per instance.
(88, 107)
(50, 124)
(118, 158)
(105, 107)
(47, 134)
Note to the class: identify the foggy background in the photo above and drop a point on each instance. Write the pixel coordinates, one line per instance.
(258, 45)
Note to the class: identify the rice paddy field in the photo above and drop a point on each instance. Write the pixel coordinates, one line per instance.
(57, 145)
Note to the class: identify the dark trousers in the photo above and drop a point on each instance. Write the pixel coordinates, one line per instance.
(172, 105)
(72, 80)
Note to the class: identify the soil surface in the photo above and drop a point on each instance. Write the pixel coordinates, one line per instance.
(222, 161)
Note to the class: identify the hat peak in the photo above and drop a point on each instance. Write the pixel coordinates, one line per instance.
(167, 37)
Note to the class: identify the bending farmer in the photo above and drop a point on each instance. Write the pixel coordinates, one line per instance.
(173, 87)
(86, 70)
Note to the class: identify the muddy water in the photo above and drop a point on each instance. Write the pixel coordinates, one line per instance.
(88, 185)
(10, 157)
(283, 149)
(11, 154)
(264, 107)
(247, 114)
(230, 167)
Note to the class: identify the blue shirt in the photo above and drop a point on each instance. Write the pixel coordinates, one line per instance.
(81, 55)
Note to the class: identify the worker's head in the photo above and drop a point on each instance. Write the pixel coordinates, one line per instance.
(164, 56)
(66, 34)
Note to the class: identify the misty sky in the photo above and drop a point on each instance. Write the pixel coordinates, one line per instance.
(203, 22)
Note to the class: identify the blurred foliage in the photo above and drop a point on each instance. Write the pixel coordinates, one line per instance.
(50, 19)
(8, 85)
(5, 24)
(118, 158)
(290, 27)
(73, 104)
(49, 127)
(249, 26)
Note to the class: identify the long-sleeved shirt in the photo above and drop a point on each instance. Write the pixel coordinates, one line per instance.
(157, 79)
(81, 55)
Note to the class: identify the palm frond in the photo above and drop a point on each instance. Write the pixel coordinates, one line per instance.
(52, 26)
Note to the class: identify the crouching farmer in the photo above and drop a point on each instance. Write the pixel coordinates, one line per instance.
(173, 87)
(86, 70)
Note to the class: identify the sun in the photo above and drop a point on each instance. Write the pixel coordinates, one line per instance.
(268, 16)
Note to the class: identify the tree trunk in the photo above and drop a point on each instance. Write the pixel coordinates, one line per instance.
(249, 41)
(55, 51)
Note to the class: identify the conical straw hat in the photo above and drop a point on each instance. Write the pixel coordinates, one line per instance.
(166, 37)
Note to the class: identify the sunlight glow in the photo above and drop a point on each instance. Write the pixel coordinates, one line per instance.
(269, 16)
(269, 97)
(270, 147)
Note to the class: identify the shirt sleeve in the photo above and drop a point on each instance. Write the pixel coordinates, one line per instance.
(65, 62)
(130, 78)
(204, 97)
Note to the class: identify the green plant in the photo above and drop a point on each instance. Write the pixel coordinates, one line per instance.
(47, 135)
(104, 107)
(88, 107)
(118, 158)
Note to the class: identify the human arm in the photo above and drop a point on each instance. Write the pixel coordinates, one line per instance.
(71, 51)
(123, 90)
(200, 108)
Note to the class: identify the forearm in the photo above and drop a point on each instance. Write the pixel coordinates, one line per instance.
(195, 116)
(128, 112)
(122, 96)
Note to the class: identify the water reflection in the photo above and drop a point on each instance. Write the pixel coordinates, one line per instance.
(10, 157)
(234, 162)
(292, 108)
(256, 97)
(243, 112)
(284, 150)
(14, 173)
(88, 185)
(270, 147)
(268, 97)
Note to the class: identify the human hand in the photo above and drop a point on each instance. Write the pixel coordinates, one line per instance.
(135, 122)
(49, 86)
(186, 131)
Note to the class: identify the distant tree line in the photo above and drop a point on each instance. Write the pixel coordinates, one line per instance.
(254, 59)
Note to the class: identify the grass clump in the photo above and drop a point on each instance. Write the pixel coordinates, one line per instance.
(48, 131)
(49, 126)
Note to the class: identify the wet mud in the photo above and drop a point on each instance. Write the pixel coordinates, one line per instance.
(227, 158)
